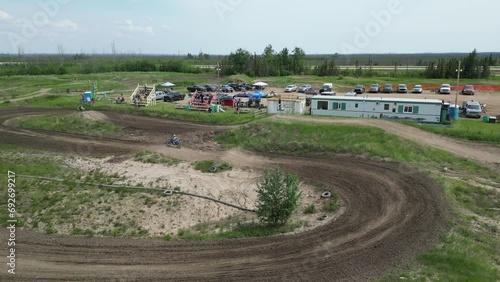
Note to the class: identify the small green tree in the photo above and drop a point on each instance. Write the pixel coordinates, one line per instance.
(278, 197)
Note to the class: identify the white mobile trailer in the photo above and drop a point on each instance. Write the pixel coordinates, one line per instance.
(287, 106)
(426, 110)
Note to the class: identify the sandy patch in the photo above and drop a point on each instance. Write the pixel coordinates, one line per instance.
(160, 214)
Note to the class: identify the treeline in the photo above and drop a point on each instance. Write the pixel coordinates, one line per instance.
(472, 67)
(82, 64)
(269, 63)
(329, 67)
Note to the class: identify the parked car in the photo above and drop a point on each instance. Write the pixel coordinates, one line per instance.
(291, 88)
(196, 88)
(242, 95)
(226, 88)
(246, 86)
(402, 88)
(374, 88)
(468, 90)
(304, 88)
(225, 96)
(160, 95)
(359, 89)
(173, 96)
(445, 89)
(327, 87)
(387, 88)
(311, 91)
(235, 86)
(417, 89)
(211, 87)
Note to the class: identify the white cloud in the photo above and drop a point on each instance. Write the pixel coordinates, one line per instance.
(130, 27)
(66, 25)
(4, 15)
(167, 27)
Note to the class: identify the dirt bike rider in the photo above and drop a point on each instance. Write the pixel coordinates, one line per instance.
(175, 140)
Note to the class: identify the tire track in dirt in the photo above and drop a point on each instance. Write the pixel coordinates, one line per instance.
(391, 215)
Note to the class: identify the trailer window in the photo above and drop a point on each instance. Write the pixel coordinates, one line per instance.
(386, 107)
(322, 105)
(356, 105)
(408, 109)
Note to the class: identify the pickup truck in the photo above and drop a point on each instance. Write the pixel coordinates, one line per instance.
(210, 87)
(196, 87)
(445, 89)
(173, 96)
(235, 86)
(327, 87)
(472, 109)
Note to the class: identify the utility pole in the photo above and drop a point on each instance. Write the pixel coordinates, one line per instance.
(458, 84)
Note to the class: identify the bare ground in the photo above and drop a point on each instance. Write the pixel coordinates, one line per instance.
(391, 214)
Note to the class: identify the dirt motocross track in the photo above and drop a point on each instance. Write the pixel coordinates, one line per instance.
(392, 214)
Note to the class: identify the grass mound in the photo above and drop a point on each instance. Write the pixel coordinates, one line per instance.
(73, 123)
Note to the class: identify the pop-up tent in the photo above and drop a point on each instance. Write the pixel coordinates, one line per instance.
(168, 84)
(257, 95)
(260, 84)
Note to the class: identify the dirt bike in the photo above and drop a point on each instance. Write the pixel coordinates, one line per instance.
(174, 143)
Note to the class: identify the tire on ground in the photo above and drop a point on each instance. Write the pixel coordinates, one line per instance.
(326, 195)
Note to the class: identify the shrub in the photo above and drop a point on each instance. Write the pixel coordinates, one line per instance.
(278, 196)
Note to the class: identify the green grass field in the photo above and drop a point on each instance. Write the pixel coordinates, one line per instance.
(13, 87)
(473, 130)
(305, 138)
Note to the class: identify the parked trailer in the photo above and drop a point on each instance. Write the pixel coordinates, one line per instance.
(425, 110)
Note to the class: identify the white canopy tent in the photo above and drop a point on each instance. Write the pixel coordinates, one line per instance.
(260, 84)
(168, 84)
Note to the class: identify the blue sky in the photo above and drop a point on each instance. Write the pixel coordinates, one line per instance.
(222, 26)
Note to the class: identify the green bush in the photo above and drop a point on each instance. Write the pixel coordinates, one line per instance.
(278, 196)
